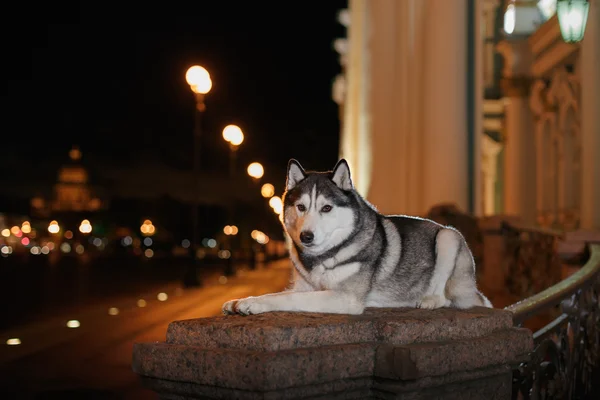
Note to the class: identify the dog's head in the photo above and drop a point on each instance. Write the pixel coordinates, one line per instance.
(318, 211)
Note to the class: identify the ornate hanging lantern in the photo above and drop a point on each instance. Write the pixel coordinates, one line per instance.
(572, 18)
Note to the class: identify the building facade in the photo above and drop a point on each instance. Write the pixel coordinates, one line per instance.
(476, 103)
(72, 192)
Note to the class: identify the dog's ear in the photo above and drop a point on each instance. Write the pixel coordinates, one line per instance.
(341, 175)
(295, 173)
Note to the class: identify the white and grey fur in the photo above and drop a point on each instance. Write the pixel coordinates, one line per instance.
(347, 256)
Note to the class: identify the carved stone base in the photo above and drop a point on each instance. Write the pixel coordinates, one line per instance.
(384, 353)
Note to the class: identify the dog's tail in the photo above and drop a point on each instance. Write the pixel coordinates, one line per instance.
(485, 302)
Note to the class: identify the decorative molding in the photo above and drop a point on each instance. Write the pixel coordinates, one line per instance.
(557, 55)
(493, 106)
(341, 46)
(492, 124)
(556, 108)
(493, 118)
(343, 17)
(489, 167)
(548, 49)
(563, 90)
(339, 89)
(490, 5)
(517, 57)
(517, 86)
(547, 35)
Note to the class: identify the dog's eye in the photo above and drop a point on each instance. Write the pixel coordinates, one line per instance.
(301, 207)
(326, 208)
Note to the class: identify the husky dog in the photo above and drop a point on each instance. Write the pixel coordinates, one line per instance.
(347, 256)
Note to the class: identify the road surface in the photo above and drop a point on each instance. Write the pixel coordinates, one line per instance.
(93, 361)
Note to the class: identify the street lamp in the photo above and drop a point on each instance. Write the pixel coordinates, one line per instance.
(276, 204)
(256, 170)
(267, 190)
(199, 80)
(85, 227)
(572, 18)
(200, 83)
(53, 227)
(234, 136)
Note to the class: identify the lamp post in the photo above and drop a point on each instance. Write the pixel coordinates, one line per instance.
(572, 18)
(255, 171)
(199, 80)
(234, 136)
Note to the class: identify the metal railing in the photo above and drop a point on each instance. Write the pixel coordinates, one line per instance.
(566, 356)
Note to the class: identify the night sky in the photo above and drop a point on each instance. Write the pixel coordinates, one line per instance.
(109, 77)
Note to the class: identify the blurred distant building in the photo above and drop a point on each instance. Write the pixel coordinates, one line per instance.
(477, 103)
(71, 193)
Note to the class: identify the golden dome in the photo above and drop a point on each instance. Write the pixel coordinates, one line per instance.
(73, 173)
(75, 154)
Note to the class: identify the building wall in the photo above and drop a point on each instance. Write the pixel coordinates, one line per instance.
(410, 113)
(406, 118)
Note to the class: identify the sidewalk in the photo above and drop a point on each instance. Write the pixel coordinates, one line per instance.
(93, 361)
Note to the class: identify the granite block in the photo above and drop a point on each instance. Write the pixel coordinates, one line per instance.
(383, 353)
(284, 330)
(419, 360)
(253, 370)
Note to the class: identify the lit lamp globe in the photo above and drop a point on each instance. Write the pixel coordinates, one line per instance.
(267, 190)
(256, 170)
(233, 134)
(85, 226)
(572, 19)
(276, 204)
(53, 227)
(199, 79)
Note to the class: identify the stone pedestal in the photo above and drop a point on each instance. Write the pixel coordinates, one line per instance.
(382, 354)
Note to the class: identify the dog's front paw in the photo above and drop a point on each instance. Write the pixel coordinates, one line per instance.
(247, 306)
(431, 302)
(250, 306)
(229, 307)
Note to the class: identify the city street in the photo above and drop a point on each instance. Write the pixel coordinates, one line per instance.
(92, 359)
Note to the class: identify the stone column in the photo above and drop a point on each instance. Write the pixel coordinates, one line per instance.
(411, 152)
(590, 121)
(355, 144)
(490, 8)
(396, 106)
(519, 148)
(479, 89)
(338, 90)
(489, 166)
(445, 171)
(384, 353)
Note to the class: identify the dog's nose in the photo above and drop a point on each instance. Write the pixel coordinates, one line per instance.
(306, 237)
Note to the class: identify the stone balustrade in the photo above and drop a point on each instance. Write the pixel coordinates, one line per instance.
(382, 354)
